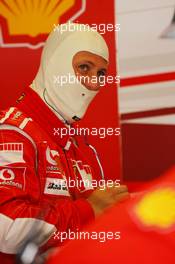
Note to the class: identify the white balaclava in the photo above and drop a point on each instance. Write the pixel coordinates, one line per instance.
(70, 99)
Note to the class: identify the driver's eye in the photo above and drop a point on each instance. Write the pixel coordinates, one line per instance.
(101, 73)
(84, 67)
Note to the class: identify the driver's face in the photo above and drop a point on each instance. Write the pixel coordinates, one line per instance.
(92, 67)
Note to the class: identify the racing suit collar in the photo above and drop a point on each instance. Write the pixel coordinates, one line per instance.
(31, 104)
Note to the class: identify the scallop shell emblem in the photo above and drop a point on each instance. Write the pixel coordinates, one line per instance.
(33, 17)
(156, 210)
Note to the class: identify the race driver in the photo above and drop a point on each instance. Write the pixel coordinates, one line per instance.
(34, 163)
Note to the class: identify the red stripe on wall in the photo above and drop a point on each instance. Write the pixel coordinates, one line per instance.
(162, 77)
(149, 113)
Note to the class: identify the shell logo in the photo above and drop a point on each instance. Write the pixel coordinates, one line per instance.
(156, 210)
(26, 23)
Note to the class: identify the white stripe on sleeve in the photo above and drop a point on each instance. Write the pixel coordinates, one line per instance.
(14, 233)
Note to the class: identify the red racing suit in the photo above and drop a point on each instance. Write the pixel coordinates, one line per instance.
(35, 164)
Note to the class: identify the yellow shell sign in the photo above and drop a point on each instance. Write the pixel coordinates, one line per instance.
(157, 209)
(33, 18)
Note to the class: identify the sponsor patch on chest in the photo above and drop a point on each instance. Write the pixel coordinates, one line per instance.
(56, 186)
(12, 177)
